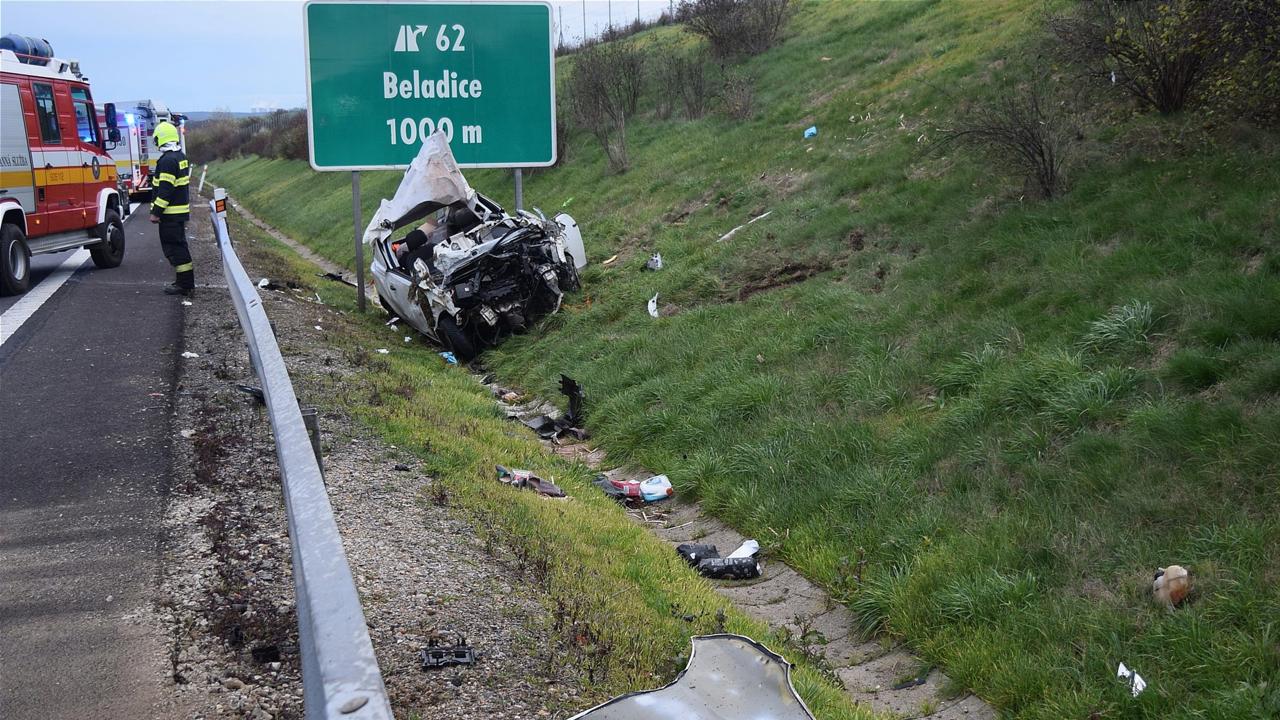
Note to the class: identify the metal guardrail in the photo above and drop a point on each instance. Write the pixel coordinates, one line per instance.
(340, 674)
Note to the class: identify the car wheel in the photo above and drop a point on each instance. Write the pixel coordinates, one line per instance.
(15, 257)
(455, 339)
(110, 252)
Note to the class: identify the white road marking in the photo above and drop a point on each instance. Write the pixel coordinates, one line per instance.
(28, 304)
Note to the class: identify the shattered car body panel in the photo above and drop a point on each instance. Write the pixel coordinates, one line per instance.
(729, 677)
(472, 274)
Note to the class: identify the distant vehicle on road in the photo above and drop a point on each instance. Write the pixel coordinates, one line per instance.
(57, 183)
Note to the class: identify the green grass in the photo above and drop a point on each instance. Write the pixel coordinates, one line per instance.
(619, 600)
(1016, 411)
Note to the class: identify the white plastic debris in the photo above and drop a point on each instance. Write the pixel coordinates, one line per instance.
(383, 351)
(188, 434)
(319, 328)
(408, 339)
(748, 548)
(734, 231)
(263, 283)
(654, 263)
(187, 303)
(1135, 681)
(189, 355)
(653, 305)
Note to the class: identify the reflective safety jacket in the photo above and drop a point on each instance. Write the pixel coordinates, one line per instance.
(171, 199)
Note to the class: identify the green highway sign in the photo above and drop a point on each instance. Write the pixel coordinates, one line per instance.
(382, 76)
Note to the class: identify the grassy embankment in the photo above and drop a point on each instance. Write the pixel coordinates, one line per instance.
(1013, 411)
(620, 603)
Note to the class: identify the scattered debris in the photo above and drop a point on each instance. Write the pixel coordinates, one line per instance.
(264, 283)
(319, 328)
(728, 676)
(1134, 680)
(437, 655)
(186, 303)
(189, 355)
(336, 277)
(635, 492)
(1171, 585)
(392, 323)
(407, 338)
(734, 231)
(401, 467)
(383, 351)
(741, 564)
(553, 428)
(654, 263)
(526, 478)
(653, 306)
(255, 392)
(188, 434)
(811, 131)
(824, 58)
(449, 357)
(510, 396)
(612, 259)
(920, 679)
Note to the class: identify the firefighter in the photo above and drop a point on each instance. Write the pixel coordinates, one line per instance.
(170, 207)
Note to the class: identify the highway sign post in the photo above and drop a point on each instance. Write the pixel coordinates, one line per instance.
(383, 76)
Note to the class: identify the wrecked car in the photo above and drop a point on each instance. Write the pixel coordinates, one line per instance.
(472, 273)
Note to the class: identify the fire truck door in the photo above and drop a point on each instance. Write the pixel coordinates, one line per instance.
(55, 181)
(94, 173)
(16, 181)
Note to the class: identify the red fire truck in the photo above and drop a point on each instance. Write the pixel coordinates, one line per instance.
(57, 183)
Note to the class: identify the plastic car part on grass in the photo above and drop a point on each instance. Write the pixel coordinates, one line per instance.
(729, 677)
(741, 564)
(525, 478)
(653, 489)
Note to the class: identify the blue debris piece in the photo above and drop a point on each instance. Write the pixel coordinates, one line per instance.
(449, 358)
(811, 131)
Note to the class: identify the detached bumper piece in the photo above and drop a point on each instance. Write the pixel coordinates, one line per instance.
(437, 655)
(549, 428)
(526, 479)
(729, 677)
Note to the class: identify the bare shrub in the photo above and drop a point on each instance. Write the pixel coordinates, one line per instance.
(738, 94)
(1024, 129)
(681, 79)
(604, 88)
(736, 27)
(1246, 35)
(1153, 49)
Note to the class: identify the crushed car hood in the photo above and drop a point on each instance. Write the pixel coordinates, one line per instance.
(432, 181)
(729, 677)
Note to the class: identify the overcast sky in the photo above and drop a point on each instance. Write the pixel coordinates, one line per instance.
(219, 55)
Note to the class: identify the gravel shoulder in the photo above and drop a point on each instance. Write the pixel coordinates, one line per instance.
(421, 571)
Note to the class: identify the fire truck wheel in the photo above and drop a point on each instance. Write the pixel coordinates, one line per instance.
(15, 261)
(110, 252)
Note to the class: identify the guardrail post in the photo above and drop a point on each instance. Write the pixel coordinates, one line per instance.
(312, 422)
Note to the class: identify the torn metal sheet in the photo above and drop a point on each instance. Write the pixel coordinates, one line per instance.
(729, 677)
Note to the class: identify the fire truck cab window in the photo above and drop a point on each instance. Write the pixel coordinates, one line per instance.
(47, 114)
(86, 124)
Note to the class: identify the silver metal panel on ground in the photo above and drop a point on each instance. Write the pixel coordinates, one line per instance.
(729, 677)
(340, 674)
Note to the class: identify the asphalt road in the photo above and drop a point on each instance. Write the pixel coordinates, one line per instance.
(86, 405)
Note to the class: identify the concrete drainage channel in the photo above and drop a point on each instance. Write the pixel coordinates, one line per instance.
(876, 673)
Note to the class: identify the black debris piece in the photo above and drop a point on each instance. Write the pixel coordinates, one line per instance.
(740, 568)
(693, 553)
(401, 467)
(437, 655)
(526, 479)
(572, 390)
(336, 278)
(920, 679)
(256, 392)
